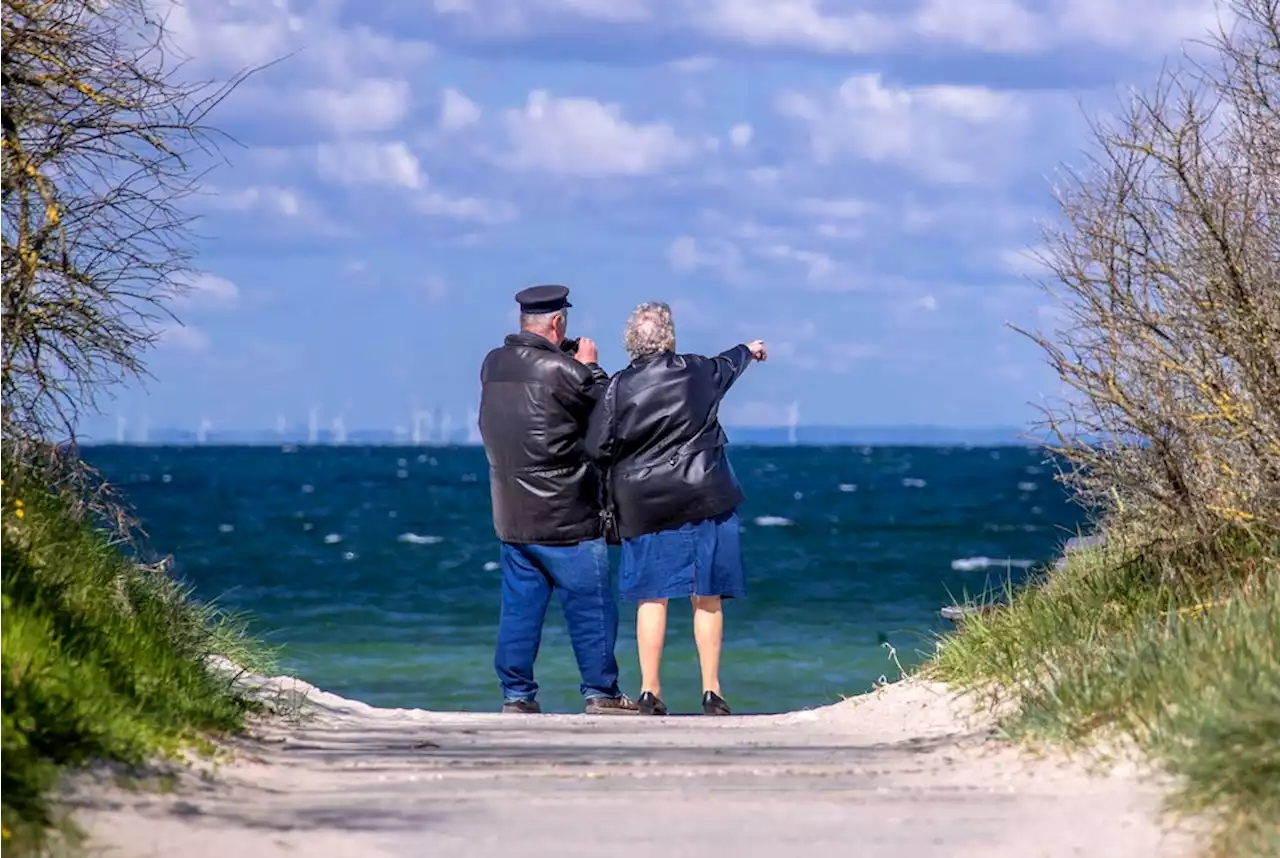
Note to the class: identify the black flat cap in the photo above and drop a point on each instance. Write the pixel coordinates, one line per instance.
(543, 299)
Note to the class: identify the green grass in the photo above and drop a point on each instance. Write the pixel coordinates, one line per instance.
(1142, 644)
(102, 660)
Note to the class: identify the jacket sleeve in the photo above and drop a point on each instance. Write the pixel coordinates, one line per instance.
(594, 387)
(728, 366)
(600, 440)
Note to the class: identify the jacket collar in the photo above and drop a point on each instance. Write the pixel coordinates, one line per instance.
(531, 340)
(648, 359)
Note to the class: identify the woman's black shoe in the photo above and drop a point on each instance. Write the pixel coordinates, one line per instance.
(713, 704)
(649, 704)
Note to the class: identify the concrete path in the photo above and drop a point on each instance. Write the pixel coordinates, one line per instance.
(903, 773)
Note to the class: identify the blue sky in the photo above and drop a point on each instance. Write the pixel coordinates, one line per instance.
(857, 183)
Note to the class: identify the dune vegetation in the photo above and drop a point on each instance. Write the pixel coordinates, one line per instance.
(104, 658)
(1165, 269)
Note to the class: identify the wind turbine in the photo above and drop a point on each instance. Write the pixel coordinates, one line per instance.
(793, 422)
(422, 426)
(313, 425)
(121, 423)
(446, 426)
(473, 427)
(202, 433)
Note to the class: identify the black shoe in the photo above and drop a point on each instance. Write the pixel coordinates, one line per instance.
(649, 704)
(521, 707)
(713, 704)
(620, 705)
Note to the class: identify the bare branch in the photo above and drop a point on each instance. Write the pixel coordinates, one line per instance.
(101, 137)
(1166, 264)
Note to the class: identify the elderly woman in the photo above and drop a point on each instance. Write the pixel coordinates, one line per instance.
(672, 491)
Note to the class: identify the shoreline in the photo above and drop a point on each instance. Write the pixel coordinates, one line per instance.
(909, 770)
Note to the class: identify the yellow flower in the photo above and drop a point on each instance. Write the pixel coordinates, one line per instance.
(18, 513)
(18, 503)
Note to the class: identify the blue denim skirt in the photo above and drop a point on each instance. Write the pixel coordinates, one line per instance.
(702, 558)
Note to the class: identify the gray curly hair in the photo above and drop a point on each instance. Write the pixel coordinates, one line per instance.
(649, 330)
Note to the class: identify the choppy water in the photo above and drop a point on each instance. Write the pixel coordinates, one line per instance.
(375, 568)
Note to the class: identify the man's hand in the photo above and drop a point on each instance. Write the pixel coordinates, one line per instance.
(757, 350)
(587, 352)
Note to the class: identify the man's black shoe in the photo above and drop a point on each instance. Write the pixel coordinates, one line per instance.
(713, 704)
(620, 705)
(649, 704)
(521, 707)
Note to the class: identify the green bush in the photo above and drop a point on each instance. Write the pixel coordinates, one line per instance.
(1112, 645)
(103, 659)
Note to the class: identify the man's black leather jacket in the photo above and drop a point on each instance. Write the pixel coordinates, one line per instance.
(535, 401)
(657, 435)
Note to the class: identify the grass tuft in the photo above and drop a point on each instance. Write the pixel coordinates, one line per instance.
(103, 659)
(1113, 645)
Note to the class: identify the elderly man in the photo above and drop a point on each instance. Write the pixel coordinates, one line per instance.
(673, 491)
(537, 392)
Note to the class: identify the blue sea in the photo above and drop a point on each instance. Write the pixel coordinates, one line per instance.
(374, 570)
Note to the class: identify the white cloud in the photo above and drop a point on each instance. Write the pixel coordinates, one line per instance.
(839, 219)
(186, 338)
(312, 63)
(687, 254)
(457, 111)
(818, 267)
(280, 200)
(1139, 26)
(584, 138)
(372, 104)
(523, 17)
(992, 26)
(305, 38)
(475, 209)
(848, 27)
(202, 291)
(740, 135)
(357, 163)
(946, 133)
(791, 24)
(1025, 262)
(613, 11)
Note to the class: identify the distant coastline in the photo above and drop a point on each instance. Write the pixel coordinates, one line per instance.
(779, 436)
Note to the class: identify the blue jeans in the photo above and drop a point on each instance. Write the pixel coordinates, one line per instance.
(580, 575)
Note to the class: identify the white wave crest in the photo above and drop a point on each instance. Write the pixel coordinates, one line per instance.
(914, 482)
(974, 564)
(492, 566)
(416, 539)
(773, 521)
(332, 538)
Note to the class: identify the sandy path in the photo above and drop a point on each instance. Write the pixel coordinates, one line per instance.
(902, 773)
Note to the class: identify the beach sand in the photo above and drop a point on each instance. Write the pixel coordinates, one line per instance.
(909, 771)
